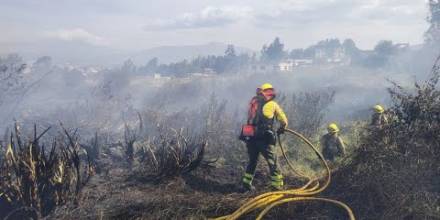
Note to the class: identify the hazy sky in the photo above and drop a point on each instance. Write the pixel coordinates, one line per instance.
(131, 24)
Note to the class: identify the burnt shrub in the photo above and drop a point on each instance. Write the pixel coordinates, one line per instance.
(171, 154)
(394, 172)
(35, 179)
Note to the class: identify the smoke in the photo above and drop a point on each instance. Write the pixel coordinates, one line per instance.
(104, 99)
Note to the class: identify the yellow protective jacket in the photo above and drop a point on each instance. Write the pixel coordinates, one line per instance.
(271, 109)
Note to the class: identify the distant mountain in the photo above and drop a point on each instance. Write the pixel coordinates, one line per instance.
(79, 53)
(167, 54)
(74, 52)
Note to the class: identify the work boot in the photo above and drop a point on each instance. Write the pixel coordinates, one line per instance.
(247, 182)
(277, 182)
(247, 188)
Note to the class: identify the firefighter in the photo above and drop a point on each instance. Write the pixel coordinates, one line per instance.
(263, 117)
(379, 118)
(332, 144)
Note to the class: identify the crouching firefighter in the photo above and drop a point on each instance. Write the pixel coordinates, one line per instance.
(259, 135)
(379, 118)
(332, 144)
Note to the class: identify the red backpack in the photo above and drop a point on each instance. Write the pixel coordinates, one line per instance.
(249, 130)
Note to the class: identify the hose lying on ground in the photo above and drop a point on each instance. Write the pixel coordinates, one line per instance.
(269, 200)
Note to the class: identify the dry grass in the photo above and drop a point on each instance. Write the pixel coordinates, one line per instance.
(34, 179)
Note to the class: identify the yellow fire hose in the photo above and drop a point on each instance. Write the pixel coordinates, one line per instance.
(269, 200)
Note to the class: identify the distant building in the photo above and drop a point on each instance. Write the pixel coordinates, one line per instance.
(209, 71)
(200, 75)
(289, 65)
(263, 68)
(286, 66)
(158, 76)
(402, 46)
(302, 62)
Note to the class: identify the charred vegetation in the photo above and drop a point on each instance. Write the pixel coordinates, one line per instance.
(38, 174)
(394, 172)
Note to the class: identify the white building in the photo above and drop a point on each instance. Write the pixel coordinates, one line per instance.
(289, 65)
(286, 66)
(158, 76)
(303, 62)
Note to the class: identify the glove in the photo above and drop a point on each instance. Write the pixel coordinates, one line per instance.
(281, 130)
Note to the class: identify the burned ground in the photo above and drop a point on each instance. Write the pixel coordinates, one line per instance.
(157, 171)
(207, 192)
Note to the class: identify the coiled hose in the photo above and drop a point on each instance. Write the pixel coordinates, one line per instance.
(269, 200)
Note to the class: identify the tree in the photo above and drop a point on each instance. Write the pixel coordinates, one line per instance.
(350, 47)
(151, 66)
(328, 47)
(274, 52)
(230, 51)
(385, 48)
(230, 61)
(432, 35)
(12, 81)
(382, 52)
(329, 44)
(297, 53)
(128, 67)
(323, 49)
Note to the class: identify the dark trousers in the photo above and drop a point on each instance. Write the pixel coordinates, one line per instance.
(254, 148)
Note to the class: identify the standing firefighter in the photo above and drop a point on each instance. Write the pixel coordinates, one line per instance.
(262, 113)
(379, 118)
(332, 144)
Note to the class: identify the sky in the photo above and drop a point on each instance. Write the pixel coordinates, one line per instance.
(135, 25)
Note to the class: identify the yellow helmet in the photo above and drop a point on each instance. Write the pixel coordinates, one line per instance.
(266, 86)
(333, 128)
(378, 109)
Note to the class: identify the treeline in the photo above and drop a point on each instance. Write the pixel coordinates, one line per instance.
(334, 49)
(229, 62)
(325, 51)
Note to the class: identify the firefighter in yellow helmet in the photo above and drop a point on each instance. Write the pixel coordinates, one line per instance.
(332, 144)
(379, 118)
(266, 112)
